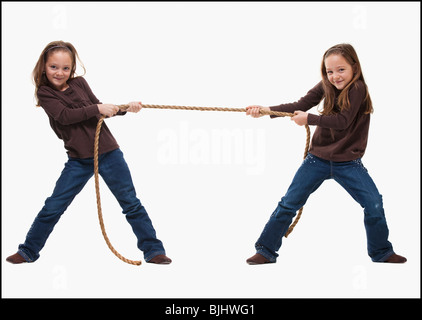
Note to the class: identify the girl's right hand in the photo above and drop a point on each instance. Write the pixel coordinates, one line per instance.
(254, 111)
(108, 110)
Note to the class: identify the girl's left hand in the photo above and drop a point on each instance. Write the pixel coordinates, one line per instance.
(134, 106)
(300, 117)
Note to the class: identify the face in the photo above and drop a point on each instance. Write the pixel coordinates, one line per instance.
(58, 68)
(339, 71)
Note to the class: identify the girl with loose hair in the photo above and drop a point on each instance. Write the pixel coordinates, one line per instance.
(348, 53)
(74, 111)
(338, 144)
(38, 74)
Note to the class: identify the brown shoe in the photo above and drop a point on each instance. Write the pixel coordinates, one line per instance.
(395, 258)
(257, 259)
(15, 259)
(160, 259)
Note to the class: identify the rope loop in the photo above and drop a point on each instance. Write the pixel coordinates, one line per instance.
(97, 192)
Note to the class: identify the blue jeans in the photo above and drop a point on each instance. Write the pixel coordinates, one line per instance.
(76, 173)
(353, 177)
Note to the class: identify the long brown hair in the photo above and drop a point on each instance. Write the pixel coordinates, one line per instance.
(38, 74)
(349, 53)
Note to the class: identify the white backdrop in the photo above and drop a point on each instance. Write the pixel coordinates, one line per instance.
(210, 180)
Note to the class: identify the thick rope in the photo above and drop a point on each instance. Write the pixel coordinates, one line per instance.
(124, 107)
(97, 191)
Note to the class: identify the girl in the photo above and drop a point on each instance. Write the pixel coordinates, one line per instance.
(338, 144)
(73, 111)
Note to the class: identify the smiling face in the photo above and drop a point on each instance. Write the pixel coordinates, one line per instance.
(339, 71)
(58, 68)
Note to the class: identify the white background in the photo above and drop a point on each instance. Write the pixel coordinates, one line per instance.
(209, 200)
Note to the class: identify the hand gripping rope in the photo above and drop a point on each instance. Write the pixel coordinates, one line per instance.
(124, 107)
